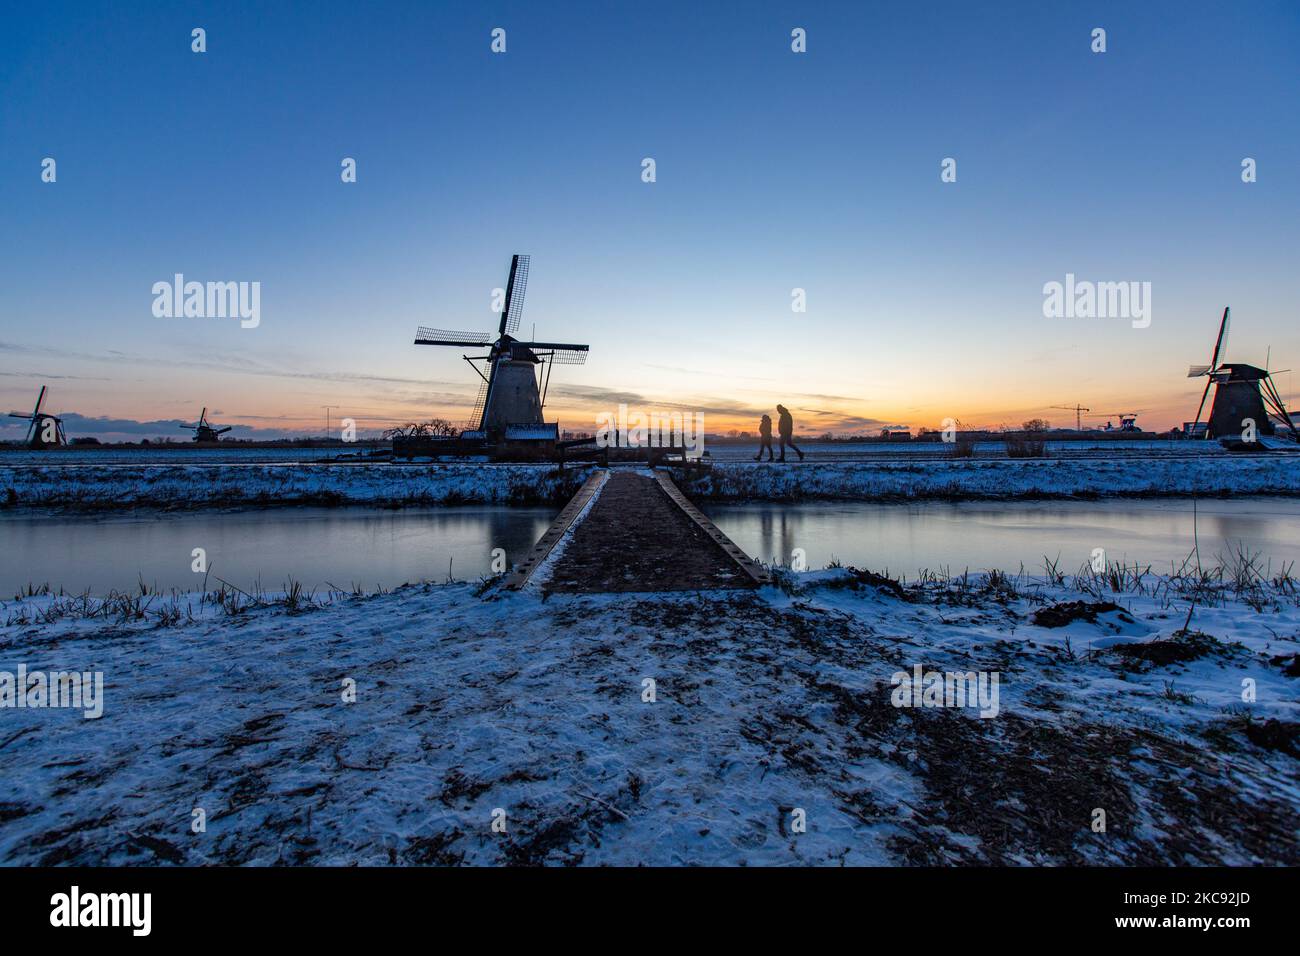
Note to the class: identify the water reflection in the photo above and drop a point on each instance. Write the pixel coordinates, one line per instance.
(315, 546)
(976, 535)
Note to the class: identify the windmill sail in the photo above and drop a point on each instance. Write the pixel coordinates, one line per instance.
(425, 336)
(516, 286)
(1220, 344)
(561, 353)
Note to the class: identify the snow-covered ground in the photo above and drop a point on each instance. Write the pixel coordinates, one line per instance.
(97, 487)
(1002, 478)
(186, 454)
(766, 703)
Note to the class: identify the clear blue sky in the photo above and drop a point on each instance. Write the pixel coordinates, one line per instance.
(775, 171)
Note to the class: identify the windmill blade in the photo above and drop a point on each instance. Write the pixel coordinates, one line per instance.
(23, 415)
(1221, 343)
(445, 337)
(561, 353)
(568, 357)
(222, 431)
(39, 399)
(1200, 408)
(1196, 371)
(516, 286)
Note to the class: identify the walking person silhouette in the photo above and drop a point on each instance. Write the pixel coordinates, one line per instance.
(785, 425)
(765, 438)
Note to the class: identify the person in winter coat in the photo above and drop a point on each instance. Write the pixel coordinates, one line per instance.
(765, 438)
(786, 427)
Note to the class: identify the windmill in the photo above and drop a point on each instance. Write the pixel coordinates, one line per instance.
(1242, 394)
(204, 431)
(509, 404)
(45, 430)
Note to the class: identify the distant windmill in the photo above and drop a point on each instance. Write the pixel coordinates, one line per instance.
(1242, 393)
(204, 431)
(508, 396)
(45, 430)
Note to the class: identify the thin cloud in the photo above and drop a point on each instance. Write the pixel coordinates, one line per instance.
(226, 363)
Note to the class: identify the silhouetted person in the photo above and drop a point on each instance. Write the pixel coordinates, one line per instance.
(765, 438)
(785, 426)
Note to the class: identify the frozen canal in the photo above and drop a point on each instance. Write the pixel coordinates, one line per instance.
(370, 548)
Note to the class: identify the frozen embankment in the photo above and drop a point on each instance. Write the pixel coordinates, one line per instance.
(102, 487)
(94, 487)
(973, 478)
(438, 725)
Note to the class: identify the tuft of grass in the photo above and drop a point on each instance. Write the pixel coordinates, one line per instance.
(1055, 577)
(486, 583)
(1176, 696)
(294, 599)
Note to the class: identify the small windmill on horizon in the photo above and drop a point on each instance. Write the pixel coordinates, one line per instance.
(204, 431)
(45, 430)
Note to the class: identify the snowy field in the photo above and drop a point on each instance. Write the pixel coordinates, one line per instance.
(531, 710)
(92, 487)
(96, 487)
(1003, 478)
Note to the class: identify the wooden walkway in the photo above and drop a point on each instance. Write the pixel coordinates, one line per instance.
(640, 534)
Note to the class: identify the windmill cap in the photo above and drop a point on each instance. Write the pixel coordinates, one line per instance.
(1241, 372)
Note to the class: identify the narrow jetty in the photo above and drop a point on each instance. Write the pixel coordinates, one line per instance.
(633, 530)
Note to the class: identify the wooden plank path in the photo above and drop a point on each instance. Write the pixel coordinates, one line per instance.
(640, 534)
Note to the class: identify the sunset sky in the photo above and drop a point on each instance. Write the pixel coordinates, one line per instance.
(775, 171)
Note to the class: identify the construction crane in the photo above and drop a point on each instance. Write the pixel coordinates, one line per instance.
(1078, 414)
